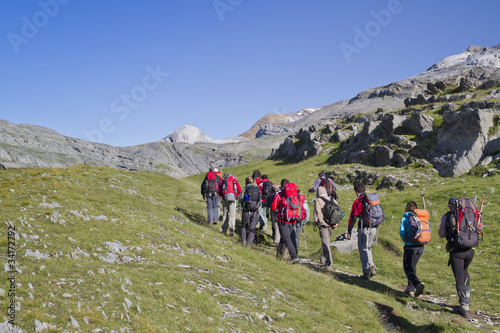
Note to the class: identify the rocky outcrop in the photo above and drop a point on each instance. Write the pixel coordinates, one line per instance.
(462, 140)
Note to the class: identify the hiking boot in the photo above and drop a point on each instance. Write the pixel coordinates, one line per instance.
(244, 243)
(365, 276)
(409, 293)
(419, 290)
(294, 261)
(464, 310)
(372, 271)
(231, 232)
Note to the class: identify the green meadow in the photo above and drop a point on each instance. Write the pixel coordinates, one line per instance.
(99, 249)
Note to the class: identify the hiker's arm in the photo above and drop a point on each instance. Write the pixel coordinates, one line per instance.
(442, 227)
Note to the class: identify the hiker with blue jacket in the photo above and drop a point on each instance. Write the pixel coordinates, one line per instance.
(248, 206)
(411, 253)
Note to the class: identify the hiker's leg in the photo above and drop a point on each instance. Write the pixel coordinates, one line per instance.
(460, 261)
(285, 231)
(216, 208)
(263, 218)
(363, 249)
(372, 232)
(254, 220)
(410, 259)
(210, 209)
(326, 252)
(225, 216)
(232, 214)
(245, 220)
(298, 231)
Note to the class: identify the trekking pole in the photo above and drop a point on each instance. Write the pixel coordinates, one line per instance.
(423, 199)
(480, 224)
(305, 243)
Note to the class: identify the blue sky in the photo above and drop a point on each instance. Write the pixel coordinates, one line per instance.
(131, 72)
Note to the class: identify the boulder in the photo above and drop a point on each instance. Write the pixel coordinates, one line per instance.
(340, 136)
(383, 156)
(344, 245)
(461, 141)
(420, 124)
(390, 182)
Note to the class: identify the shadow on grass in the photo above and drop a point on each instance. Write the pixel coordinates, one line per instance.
(192, 216)
(390, 318)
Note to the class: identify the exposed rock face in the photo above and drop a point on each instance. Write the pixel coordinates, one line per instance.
(419, 123)
(461, 141)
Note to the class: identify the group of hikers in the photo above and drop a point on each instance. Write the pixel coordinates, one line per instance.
(286, 207)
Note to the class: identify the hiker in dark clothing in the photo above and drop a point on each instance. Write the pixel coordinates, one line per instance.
(209, 188)
(459, 260)
(327, 183)
(411, 253)
(250, 216)
(285, 227)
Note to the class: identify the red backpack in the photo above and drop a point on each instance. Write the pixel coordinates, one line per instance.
(212, 182)
(229, 190)
(290, 206)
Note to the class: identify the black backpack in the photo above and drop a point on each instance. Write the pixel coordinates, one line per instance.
(462, 224)
(267, 186)
(251, 198)
(332, 214)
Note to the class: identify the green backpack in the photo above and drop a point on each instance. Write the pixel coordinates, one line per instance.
(332, 214)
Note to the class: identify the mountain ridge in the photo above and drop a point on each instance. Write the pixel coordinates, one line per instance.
(31, 145)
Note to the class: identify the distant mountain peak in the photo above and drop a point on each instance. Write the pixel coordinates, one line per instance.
(191, 134)
(488, 57)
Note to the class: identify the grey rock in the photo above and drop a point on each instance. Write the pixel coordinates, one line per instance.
(340, 136)
(420, 124)
(383, 156)
(461, 141)
(344, 245)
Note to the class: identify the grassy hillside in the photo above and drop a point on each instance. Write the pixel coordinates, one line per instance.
(102, 249)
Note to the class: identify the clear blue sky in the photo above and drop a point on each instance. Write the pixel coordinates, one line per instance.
(131, 72)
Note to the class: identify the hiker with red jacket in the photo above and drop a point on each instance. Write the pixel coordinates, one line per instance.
(209, 189)
(411, 253)
(285, 224)
(365, 234)
(229, 189)
(249, 202)
(327, 183)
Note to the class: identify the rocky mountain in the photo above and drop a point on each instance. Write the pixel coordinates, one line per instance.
(275, 124)
(190, 134)
(28, 145)
(447, 116)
